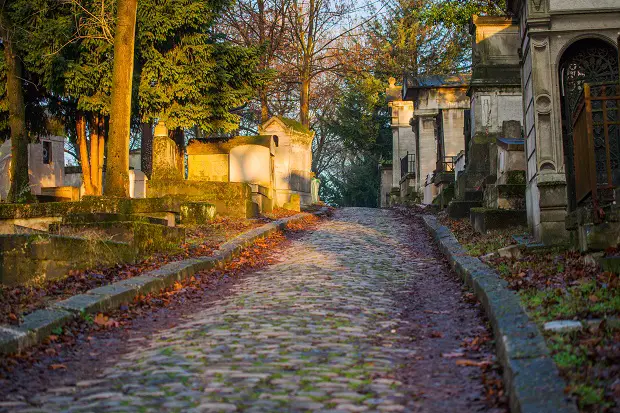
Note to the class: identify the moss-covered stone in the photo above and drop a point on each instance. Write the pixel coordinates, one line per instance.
(229, 198)
(486, 219)
(143, 237)
(224, 146)
(515, 178)
(197, 212)
(33, 259)
(460, 209)
(294, 204)
(295, 125)
(90, 205)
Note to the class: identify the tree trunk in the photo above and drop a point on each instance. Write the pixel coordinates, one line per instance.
(94, 153)
(304, 99)
(117, 168)
(20, 185)
(102, 132)
(146, 151)
(80, 133)
(264, 107)
(178, 136)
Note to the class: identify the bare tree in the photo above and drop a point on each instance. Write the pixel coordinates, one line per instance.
(263, 24)
(321, 31)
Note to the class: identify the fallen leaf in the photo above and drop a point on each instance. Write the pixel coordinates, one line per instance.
(100, 319)
(58, 367)
(436, 334)
(472, 363)
(453, 355)
(593, 298)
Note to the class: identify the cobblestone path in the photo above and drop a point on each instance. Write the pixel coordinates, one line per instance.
(315, 332)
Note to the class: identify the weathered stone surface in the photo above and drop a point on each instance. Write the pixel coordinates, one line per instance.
(197, 212)
(511, 251)
(486, 219)
(561, 326)
(40, 323)
(460, 209)
(83, 303)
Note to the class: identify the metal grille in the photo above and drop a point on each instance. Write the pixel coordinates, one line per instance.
(591, 61)
(407, 165)
(596, 139)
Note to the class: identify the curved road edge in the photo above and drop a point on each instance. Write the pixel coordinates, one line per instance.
(530, 375)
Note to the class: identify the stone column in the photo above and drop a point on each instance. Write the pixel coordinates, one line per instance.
(426, 157)
(547, 185)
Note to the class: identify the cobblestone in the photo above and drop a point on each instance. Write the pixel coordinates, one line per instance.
(313, 332)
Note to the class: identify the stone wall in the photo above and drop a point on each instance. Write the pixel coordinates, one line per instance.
(385, 172)
(229, 198)
(35, 258)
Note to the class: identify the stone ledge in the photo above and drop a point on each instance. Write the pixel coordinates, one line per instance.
(530, 375)
(39, 324)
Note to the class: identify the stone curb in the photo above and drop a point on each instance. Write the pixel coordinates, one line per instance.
(531, 378)
(41, 323)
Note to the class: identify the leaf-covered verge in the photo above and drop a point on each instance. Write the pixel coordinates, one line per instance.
(201, 240)
(560, 284)
(87, 328)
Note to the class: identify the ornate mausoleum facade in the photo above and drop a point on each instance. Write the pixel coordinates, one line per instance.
(564, 44)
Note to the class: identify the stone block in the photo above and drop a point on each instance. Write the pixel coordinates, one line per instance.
(143, 284)
(552, 194)
(486, 219)
(88, 303)
(294, 204)
(563, 326)
(197, 212)
(229, 198)
(477, 196)
(460, 209)
(40, 323)
(11, 339)
(553, 233)
(511, 129)
(611, 264)
(537, 387)
(511, 251)
(114, 294)
(35, 258)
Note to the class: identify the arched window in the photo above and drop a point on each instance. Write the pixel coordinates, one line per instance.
(585, 61)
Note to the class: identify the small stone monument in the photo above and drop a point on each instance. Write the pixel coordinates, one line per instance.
(295, 204)
(165, 162)
(314, 190)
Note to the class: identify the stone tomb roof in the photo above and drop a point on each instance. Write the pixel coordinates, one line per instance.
(437, 81)
(224, 146)
(511, 144)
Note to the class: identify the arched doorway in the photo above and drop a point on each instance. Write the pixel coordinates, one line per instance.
(585, 61)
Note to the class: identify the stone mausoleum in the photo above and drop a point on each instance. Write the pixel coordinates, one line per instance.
(564, 44)
(437, 123)
(492, 180)
(276, 163)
